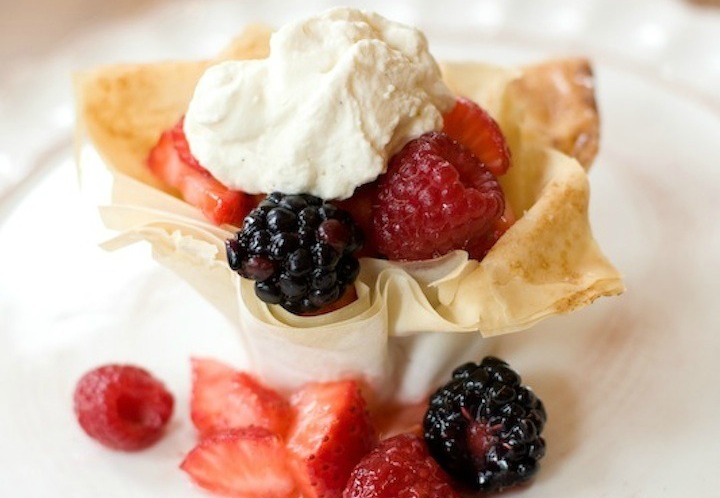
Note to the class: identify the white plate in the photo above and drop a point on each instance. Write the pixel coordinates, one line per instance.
(631, 384)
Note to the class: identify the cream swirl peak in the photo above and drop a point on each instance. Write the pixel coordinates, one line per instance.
(338, 95)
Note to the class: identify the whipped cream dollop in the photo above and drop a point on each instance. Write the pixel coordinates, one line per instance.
(339, 94)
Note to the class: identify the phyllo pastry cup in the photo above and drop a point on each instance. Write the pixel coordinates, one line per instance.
(412, 322)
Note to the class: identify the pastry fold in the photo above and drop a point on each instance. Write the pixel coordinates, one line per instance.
(414, 321)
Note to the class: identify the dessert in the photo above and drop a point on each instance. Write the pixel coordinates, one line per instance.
(546, 263)
(262, 176)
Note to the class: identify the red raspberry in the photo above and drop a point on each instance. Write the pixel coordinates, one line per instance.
(400, 467)
(436, 197)
(123, 407)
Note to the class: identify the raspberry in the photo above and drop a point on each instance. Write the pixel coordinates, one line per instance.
(299, 250)
(436, 197)
(399, 467)
(484, 428)
(123, 407)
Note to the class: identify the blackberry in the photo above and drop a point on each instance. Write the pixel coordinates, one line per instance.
(299, 250)
(483, 427)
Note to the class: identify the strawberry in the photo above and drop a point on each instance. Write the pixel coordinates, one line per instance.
(472, 126)
(223, 398)
(243, 463)
(171, 161)
(177, 133)
(360, 207)
(331, 433)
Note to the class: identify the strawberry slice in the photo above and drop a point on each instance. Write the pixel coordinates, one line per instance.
(182, 146)
(360, 207)
(171, 161)
(243, 463)
(331, 433)
(223, 398)
(472, 126)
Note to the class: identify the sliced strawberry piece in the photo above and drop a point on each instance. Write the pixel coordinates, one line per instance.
(331, 433)
(182, 146)
(168, 160)
(472, 126)
(243, 463)
(223, 398)
(360, 207)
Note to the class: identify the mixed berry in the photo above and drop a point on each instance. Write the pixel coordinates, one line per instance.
(435, 197)
(481, 433)
(122, 406)
(299, 250)
(484, 427)
(440, 193)
(255, 443)
(399, 466)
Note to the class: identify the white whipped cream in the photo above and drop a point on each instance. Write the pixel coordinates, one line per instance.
(340, 93)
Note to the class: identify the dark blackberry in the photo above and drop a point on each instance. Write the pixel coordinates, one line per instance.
(299, 250)
(483, 427)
